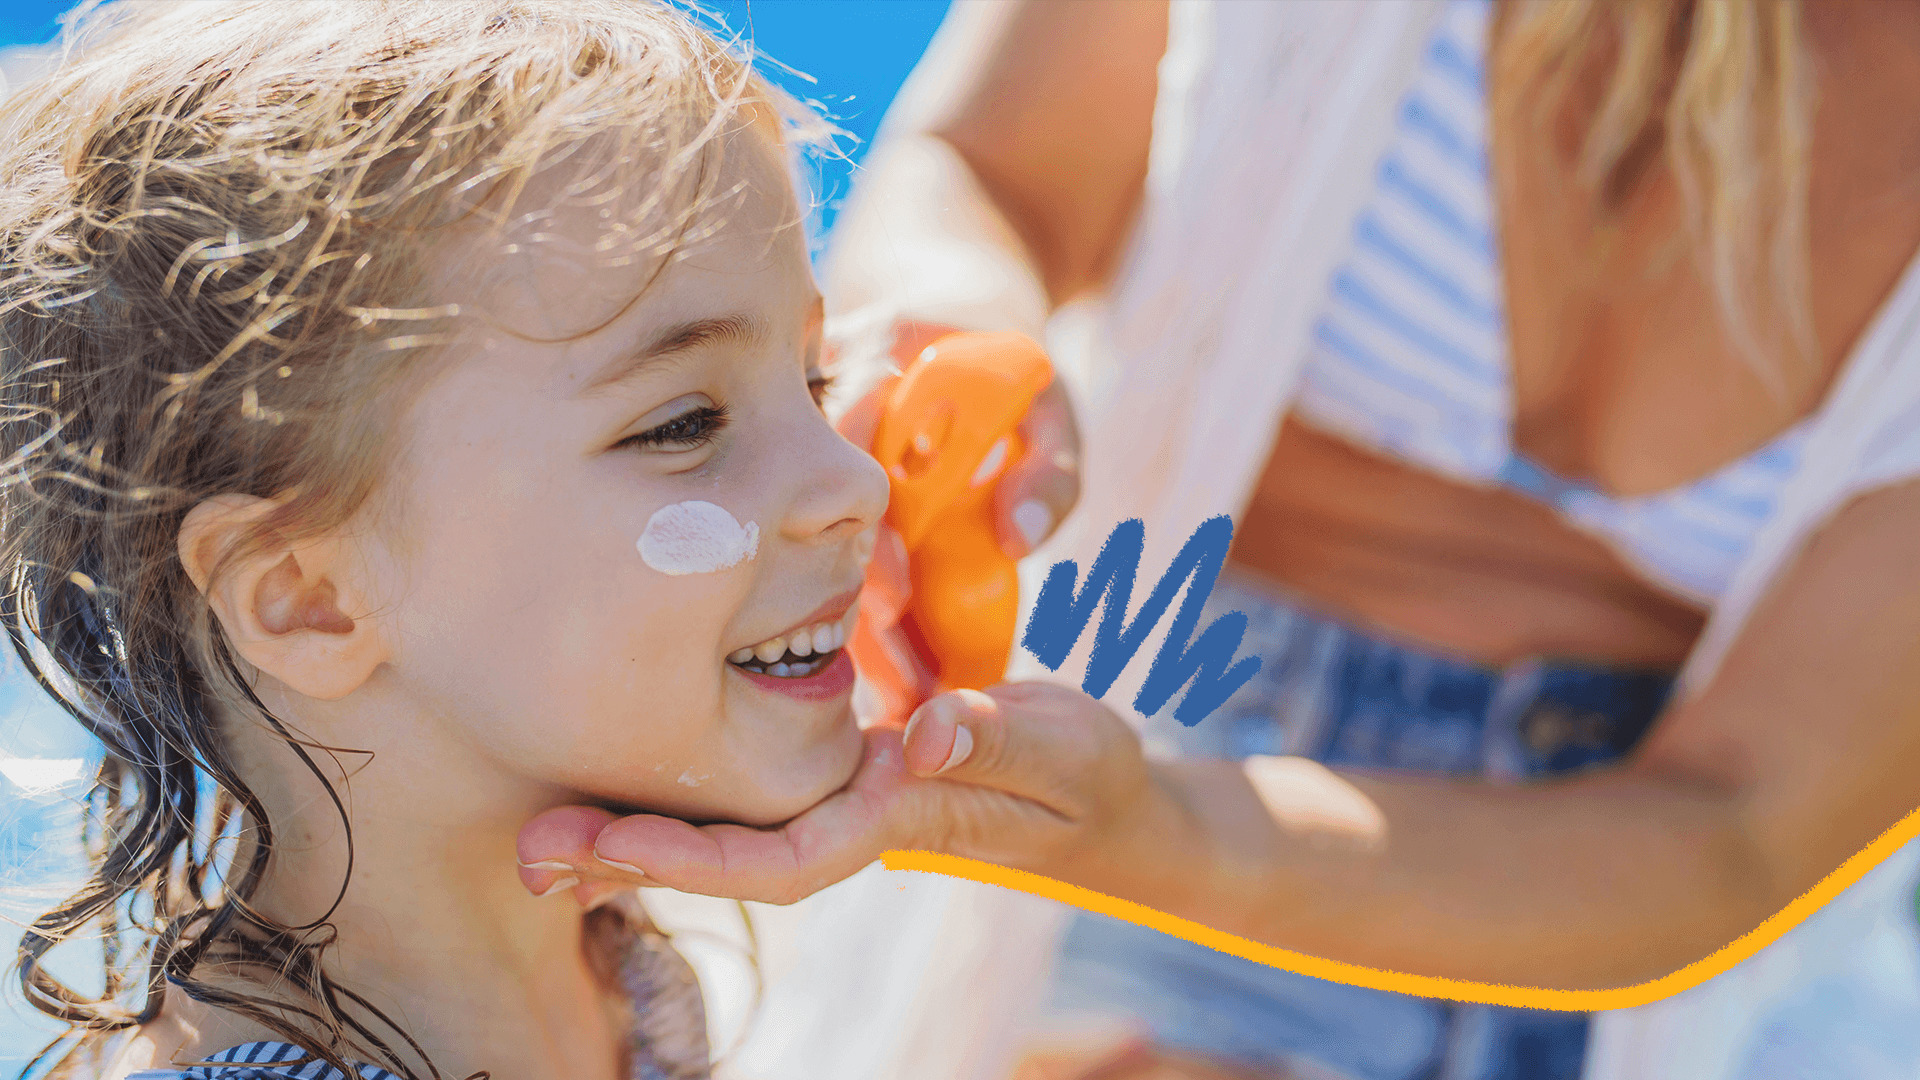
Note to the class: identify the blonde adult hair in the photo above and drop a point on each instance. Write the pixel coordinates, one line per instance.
(213, 219)
(1721, 91)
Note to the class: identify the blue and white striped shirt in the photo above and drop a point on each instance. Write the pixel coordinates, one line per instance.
(262, 1061)
(1410, 355)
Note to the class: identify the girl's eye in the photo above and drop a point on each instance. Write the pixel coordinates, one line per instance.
(819, 384)
(693, 428)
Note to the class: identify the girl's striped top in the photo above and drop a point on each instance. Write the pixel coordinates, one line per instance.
(667, 1036)
(262, 1061)
(1410, 353)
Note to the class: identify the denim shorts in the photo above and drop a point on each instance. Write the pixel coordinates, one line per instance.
(1344, 696)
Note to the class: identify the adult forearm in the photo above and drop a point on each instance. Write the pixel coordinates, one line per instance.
(923, 241)
(1601, 881)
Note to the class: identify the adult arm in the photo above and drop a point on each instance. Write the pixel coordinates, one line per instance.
(1805, 746)
(1008, 173)
(1001, 186)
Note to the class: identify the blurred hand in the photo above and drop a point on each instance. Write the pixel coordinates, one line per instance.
(1034, 775)
(1030, 500)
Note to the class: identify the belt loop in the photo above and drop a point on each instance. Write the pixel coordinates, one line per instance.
(1505, 759)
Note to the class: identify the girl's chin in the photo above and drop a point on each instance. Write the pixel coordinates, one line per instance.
(763, 792)
(792, 787)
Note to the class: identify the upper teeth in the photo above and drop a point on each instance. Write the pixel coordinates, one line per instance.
(806, 641)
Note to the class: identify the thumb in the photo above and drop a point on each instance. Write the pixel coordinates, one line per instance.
(1049, 744)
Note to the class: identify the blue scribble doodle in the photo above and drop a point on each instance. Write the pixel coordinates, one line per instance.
(1061, 614)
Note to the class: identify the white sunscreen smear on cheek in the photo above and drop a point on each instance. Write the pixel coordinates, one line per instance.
(696, 538)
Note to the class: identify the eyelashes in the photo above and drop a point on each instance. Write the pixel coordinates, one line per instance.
(694, 428)
(701, 425)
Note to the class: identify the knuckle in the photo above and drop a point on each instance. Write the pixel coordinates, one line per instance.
(936, 820)
(911, 820)
(1111, 737)
(953, 837)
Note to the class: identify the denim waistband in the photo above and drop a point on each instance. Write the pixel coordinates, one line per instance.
(1347, 695)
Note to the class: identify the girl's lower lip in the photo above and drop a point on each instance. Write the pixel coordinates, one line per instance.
(834, 680)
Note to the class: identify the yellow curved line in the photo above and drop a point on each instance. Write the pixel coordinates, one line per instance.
(1530, 997)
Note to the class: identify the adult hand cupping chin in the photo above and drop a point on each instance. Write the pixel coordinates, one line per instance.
(1035, 776)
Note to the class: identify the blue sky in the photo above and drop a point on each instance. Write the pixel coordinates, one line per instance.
(857, 52)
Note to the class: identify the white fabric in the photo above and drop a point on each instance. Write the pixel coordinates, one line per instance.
(1270, 120)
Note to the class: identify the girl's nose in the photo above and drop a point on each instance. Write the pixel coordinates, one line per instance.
(842, 490)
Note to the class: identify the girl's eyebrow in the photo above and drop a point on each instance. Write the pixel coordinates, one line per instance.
(738, 328)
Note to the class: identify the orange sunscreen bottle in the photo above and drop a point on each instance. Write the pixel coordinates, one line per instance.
(949, 429)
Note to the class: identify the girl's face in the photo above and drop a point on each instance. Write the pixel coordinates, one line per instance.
(526, 620)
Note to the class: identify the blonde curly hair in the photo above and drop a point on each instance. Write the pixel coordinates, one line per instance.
(212, 220)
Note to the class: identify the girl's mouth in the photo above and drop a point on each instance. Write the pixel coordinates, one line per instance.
(821, 678)
(809, 662)
(790, 665)
(800, 652)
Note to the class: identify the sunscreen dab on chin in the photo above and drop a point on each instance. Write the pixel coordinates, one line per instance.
(696, 538)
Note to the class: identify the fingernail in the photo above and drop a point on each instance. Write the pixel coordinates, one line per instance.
(1033, 520)
(937, 709)
(546, 864)
(618, 865)
(962, 747)
(559, 884)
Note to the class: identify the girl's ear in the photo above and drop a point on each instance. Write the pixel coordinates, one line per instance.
(296, 611)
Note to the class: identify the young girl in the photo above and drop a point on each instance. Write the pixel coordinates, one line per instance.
(412, 422)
